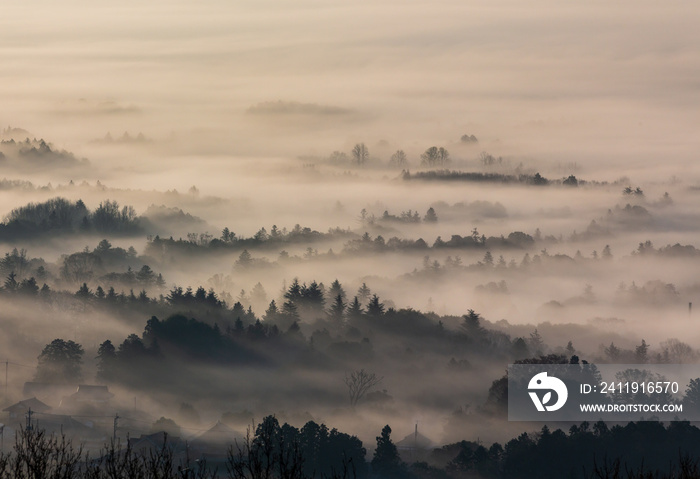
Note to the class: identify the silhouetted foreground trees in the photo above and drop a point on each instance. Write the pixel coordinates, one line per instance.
(274, 451)
(636, 450)
(283, 451)
(644, 450)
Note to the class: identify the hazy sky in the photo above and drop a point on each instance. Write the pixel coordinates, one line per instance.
(618, 81)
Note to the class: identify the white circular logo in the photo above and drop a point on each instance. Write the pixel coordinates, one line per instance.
(542, 382)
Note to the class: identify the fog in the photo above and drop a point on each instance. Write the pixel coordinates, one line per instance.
(244, 116)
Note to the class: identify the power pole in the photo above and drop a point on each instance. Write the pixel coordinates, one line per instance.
(116, 418)
(29, 420)
(6, 366)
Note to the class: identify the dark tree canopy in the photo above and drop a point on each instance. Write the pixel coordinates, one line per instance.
(60, 362)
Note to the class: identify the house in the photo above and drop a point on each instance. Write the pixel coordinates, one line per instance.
(18, 410)
(91, 394)
(46, 392)
(88, 399)
(415, 446)
(216, 441)
(147, 444)
(76, 431)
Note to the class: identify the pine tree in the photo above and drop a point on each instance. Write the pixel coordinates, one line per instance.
(290, 310)
(272, 312)
(84, 292)
(11, 283)
(354, 311)
(313, 298)
(641, 352)
(336, 289)
(293, 294)
(536, 343)
(337, 311)
(245, 259)
(386, 461)
(375, 309)
(430, 216)
(363, 293)
(106, 361)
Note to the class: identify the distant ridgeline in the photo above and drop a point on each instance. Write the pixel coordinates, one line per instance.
(59, 215)
(36, 153)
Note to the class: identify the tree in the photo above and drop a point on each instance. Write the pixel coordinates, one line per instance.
(271, 313)
(692, 395)
(145, 275)
(612, 352)
(60, 362)
(358, 383)
(80, 267)
(28, 287)
(100, 293)
(258, 296)
(430, 216)
(337, 311)
(472, 323)
(294, 294)
(106, 361)
(312, 298)
(290, 310)
(399, 159)
(363, 292)
(640, 353)
(607, 254)
(570, 181)
(103, 246)
(536, 343)
(386, 461)
(166, 425)
(678, 351)
(245, 259)
(360, 154)
(435, 156)
(84, 292)
(354, 311)
(336, 289)
(539, 180)
(11, 283)
(374, 308)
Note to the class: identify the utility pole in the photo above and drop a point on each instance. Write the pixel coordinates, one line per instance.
(116, 418)
(6, 366)
(29, 420)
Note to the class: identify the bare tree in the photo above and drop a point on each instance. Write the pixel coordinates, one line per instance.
(358, 383)
(399, 159)
(360, 153)
(435, 156)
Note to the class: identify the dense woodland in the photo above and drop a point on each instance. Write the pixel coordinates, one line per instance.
(303, 326)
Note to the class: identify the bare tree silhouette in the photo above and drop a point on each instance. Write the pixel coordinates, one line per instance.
(358, 383)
